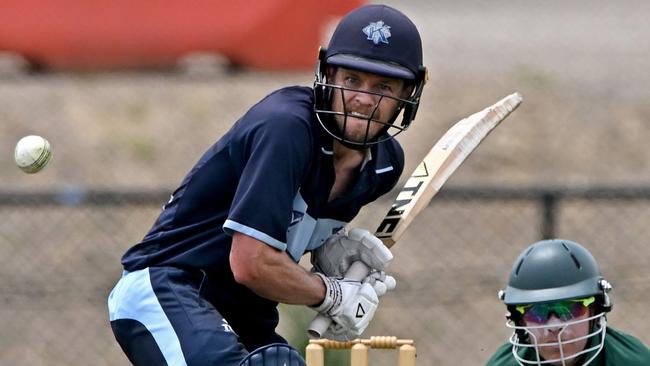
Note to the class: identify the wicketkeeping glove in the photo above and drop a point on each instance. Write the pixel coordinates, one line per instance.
(342, 249)
(350, 304)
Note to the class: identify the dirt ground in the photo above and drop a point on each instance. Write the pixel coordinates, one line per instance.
(581, 66)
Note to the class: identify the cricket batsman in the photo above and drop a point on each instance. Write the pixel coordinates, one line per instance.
(203, 285)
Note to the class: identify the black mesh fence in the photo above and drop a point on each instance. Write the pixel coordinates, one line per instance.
(59, 258)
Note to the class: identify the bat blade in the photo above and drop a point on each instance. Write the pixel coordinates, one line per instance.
(439, 164)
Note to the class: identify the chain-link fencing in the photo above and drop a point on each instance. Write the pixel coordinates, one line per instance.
(60, 257)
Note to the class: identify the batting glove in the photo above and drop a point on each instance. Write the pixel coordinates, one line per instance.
(350, 304)
(342, 249)
(380, 282)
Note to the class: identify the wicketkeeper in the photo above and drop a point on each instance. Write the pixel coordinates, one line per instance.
(557, 302)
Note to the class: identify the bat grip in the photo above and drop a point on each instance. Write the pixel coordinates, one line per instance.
(357, 271)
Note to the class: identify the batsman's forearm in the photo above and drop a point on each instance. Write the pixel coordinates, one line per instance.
(272, 274)
(293, 285)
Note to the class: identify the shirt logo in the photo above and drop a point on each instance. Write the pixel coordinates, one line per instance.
(226, 326)
(377, 32)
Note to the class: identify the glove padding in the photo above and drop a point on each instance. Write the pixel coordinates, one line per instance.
(342, 249)
(350, 304)
(380, 282)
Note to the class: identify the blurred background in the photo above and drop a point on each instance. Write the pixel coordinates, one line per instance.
(129, 105)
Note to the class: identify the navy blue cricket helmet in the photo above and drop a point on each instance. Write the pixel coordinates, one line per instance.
(377, 39)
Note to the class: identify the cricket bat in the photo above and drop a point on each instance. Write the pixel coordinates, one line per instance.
(435, 169)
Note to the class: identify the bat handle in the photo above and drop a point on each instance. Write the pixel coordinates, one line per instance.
(357, 271)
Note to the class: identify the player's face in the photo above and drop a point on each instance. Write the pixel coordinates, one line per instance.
(555, 331)
(366, 109)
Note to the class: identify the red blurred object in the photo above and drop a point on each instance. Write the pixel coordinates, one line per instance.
(101, 34)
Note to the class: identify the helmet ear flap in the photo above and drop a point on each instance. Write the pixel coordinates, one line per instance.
(411, 109)
(515, 318)
(409, 114)
(322, 51)
(322, 93)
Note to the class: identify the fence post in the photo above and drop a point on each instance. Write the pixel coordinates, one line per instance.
(549, 206)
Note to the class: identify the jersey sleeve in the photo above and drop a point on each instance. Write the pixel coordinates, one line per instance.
(273, 158)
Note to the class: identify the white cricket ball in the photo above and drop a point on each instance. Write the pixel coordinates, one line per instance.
(32, 153)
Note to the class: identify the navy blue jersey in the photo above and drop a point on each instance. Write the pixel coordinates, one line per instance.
(268, 177)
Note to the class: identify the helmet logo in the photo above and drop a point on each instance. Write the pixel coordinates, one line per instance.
(377, 32)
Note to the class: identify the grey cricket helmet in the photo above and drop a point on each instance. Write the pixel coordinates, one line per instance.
(551, 270)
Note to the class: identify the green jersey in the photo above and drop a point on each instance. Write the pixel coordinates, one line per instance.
(620, 349)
